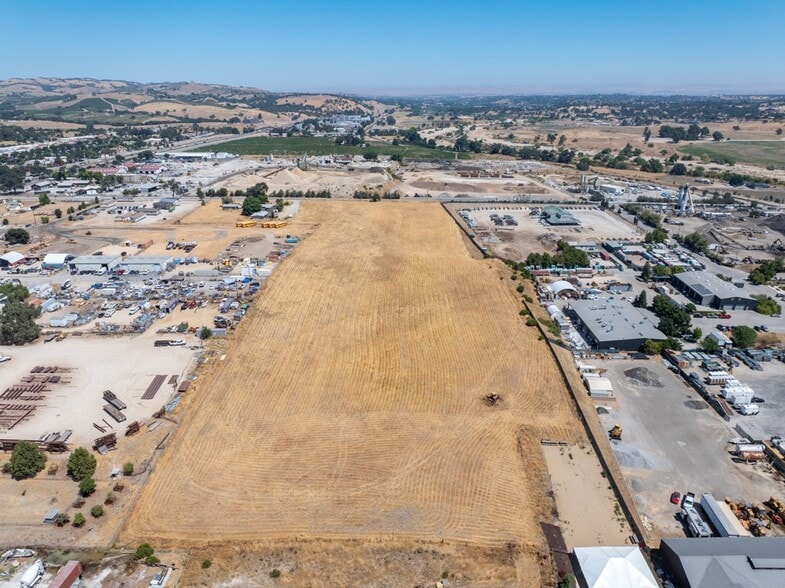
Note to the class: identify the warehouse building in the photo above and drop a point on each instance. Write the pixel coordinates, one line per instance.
(708, 290)
(85, 264)
(11, 259)
(56, 261)
(741, 562)
(146, 263)
(614, 324)
(555, 215)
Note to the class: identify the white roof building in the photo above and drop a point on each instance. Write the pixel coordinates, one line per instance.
(11, 258)
(613, 567)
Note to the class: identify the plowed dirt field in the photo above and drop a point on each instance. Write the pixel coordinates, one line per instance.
(350, 405)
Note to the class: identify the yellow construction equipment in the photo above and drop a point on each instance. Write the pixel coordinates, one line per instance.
(615, 432)
(273, 224)
(245, 224)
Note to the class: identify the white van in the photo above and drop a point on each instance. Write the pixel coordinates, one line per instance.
(100, 272)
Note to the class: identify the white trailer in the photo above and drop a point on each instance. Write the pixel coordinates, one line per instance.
(722, 518)
(749, 409)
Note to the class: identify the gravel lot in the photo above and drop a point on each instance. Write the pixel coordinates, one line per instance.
(673, 440)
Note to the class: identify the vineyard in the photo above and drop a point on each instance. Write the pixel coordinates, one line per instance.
(351, 404)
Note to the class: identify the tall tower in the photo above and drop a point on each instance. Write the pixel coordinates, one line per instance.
(685, 205)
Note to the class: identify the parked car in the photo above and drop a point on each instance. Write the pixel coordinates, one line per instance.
(4, 358)
(177, 343)
(675, 498)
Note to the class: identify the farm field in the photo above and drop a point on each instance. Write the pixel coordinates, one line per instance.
(350, 401)
(324, 146)
(758, 153)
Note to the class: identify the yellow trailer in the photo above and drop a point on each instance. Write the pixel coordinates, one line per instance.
(245, 224)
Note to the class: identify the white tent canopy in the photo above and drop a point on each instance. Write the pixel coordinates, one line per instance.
(614, 567)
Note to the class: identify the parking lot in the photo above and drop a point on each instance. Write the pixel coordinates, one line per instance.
(673, 441)
(768, 385)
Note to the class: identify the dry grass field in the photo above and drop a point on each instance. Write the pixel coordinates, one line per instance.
(349, 405)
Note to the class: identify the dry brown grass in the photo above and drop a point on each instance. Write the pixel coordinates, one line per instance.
(349, 404)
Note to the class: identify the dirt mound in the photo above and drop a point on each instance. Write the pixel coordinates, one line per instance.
(776, 223)
(696, 404)
(644, 377)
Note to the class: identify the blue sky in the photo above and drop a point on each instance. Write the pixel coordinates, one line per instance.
(692, 46)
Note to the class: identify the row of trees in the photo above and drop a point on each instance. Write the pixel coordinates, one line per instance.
(767, 270)
(566, 256)
(674, 320)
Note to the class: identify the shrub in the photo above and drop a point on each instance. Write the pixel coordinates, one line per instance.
(78, 503)
(81, 464)
(206, 564)
(531, 322)
(87, 487)
(79, 519)
(143, 551)
(97, 511)
(26, 461)
(110, 498)
(151, 560)
(519, 289)
(276, 573)
(118, 487)
(62, 519)
(128, 468)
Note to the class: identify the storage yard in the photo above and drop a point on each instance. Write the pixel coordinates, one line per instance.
(674, 441)
(351, 400)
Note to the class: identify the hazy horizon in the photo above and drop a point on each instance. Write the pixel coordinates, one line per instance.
(406, 48)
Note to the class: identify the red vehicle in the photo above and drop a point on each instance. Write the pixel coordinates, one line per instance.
(724, 315)
(675, 498)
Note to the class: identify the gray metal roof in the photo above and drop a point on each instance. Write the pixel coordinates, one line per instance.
(90, 259)
(147, 259)
(616, 320)
(706, 284)
(740, 562)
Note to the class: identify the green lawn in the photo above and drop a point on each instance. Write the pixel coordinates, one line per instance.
(324, 146)
(760, 153)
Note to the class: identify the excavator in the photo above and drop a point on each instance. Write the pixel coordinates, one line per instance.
(615, 433)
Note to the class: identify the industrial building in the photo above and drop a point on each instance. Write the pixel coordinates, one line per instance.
(555, 215)
(562, 289)
(11, 259)
(617, 567)
(741, 562)
(56, 261)
(708, 290)
(94, 263)
(146, 263)
(614, 324)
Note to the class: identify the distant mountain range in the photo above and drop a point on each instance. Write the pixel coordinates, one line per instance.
(119, 102)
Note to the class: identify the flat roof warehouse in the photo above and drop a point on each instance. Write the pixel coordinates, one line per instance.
(615, 324)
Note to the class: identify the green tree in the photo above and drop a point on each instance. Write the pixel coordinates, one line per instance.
(79, 520)
(640, 300)
(97, 511)
(650, 347)
(143, 551)
(61, 519)
(646, 273)
(697, 242)
(205, 333)
(646, 135)
(251, 204)
(678, 169)
(717, 136)
(81, 464)
(86, 486)
(767, 305)
(17, 237)
(744, 336)
(656, 236)
(697, 333)
(15, 292)
(709, 345)
(11, 178)
(26, 460)
(17, 324)
(43, 199)
(58, 213)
